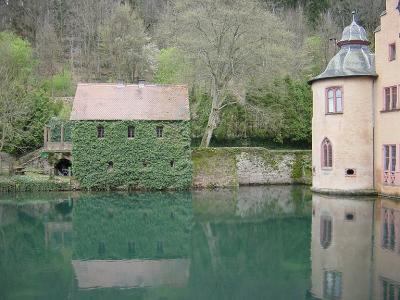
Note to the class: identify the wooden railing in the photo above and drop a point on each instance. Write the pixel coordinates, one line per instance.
(59, 146)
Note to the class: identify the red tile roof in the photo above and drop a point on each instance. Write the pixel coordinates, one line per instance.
(99, 101)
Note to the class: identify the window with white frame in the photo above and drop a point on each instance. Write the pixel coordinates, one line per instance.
(390, 98)
(334, 100)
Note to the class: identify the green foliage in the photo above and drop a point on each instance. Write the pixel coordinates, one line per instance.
(171, 66)
(31, 184)
(25, 107)
(60, 85)
(143, 162)
(292, 100)
(42, 109)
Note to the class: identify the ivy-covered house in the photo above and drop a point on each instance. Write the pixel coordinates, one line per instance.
(131, 136)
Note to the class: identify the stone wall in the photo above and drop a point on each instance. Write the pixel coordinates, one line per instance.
(225, 167)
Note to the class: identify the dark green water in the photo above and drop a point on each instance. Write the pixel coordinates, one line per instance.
(251, 243)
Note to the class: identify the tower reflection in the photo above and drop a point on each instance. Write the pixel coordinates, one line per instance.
(355, 248)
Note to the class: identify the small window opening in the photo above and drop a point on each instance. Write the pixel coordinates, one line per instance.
(100, 132)
(102, 248)
(110, 166)
(159, 131)
(350, 172)
(131, 247)
(392, 52)
(172, 163)
(131, 132)
(349, 216)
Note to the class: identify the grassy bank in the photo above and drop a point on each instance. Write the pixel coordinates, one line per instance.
(33, 183)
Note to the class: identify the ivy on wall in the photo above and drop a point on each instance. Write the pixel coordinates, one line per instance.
(142, 162)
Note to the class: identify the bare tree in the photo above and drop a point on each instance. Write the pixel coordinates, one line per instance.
(230, 42)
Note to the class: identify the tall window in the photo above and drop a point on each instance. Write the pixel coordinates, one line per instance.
(389, 219)
(390, 159)
(159, 131)
(327, 156)
(332, 285)
(390, 102)
(392, 52)
(334, 100)
(100, 132)
(131, 132)
(325, 231)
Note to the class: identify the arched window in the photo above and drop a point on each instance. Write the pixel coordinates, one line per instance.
(334, 100)
(100, 132)
(325, 231)
(326, 155)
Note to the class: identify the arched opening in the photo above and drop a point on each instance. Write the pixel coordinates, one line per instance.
(326, 154)
(63, 167)
(65, 207)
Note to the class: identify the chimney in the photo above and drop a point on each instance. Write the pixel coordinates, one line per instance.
(141, 83)
(120, 84)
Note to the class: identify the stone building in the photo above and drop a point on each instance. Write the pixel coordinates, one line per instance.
(356, 109)
(131, 136)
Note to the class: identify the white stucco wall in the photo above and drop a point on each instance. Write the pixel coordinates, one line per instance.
(351, 135)
(387, 123)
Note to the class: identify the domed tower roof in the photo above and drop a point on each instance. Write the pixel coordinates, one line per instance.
(354, 57)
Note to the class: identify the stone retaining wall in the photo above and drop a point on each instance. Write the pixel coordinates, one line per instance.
(225, 167)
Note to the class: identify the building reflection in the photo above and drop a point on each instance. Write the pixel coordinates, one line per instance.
(132, 241)
(355, 248)
(386, 275)
(341, 247)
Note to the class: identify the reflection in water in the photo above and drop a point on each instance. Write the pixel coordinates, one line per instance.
(250, 243)
(341, 247)
(355, 248)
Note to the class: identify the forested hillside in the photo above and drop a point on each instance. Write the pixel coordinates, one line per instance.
(246, 62)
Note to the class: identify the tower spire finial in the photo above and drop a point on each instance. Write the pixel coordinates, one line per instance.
(354, 15)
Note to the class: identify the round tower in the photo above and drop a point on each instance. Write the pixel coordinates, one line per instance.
(342, 124)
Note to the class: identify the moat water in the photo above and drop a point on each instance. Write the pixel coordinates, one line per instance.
(278, 242)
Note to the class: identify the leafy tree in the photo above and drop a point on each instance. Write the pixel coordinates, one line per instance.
(15, 69)
(127, 49)
(171, 66)
(24, 108)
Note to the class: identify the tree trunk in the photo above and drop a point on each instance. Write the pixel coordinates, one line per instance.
(213, 118)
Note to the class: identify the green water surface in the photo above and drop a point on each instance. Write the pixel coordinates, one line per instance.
(249, 243)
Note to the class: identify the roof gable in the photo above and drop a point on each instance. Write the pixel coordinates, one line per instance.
(94, 101)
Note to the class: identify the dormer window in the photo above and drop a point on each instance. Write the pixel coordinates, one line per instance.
(392, 52)
(334, 100)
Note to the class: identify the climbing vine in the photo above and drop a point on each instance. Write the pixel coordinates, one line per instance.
(142, 162)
